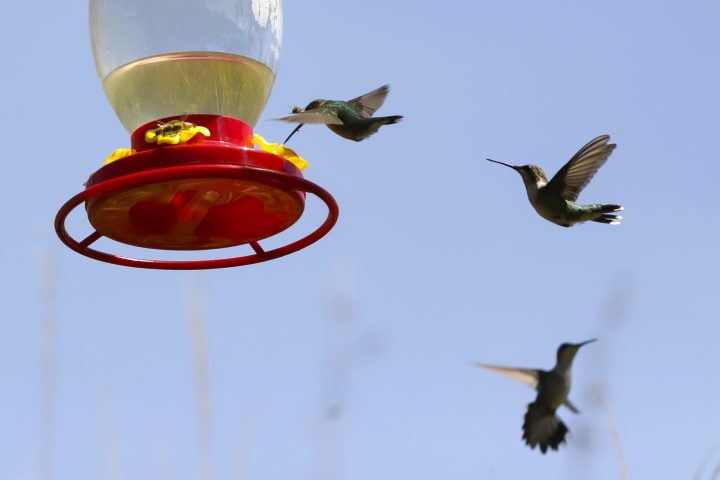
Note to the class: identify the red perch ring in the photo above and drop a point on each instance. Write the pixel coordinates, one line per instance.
(210, 193)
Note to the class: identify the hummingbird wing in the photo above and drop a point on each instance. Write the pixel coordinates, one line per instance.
(528, 376)
(313, 116)
(367, 104)
(577, 173)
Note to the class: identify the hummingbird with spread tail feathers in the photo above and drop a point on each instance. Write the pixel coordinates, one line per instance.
(554, 200)
(350, 119)
(542, 427)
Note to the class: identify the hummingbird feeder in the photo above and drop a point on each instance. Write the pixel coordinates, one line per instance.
(188, 79)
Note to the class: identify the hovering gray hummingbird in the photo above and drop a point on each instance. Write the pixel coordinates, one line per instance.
(350, 119)
(555, 200)
(541, 426)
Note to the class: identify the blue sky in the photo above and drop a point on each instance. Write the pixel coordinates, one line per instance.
(437, 260)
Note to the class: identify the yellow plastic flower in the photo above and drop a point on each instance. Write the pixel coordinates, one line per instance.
(287, 153)
(174, 132)
(118, 154)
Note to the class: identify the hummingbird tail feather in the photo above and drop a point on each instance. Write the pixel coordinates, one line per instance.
(391, 119)
(611, 208)
(609, 218)
(542, 427)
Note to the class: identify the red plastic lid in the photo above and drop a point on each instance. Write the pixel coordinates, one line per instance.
(195, 213)
(212, 192)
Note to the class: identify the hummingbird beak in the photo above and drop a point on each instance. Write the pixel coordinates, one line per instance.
(502, 163)
(293, 133)
(586, 342)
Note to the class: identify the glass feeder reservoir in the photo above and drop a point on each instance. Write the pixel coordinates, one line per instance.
(162, 58)
(189, 79)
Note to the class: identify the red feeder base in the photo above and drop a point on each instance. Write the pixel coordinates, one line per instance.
(210, 193)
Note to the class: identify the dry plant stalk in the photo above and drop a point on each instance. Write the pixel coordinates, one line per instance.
(614, 432)
(198, 335)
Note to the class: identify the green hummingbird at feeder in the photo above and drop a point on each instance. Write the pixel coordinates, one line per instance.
(351, 119)
(554, 200)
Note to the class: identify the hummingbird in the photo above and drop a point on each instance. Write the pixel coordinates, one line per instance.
(542, 426)
(555, 200)
(350, 119)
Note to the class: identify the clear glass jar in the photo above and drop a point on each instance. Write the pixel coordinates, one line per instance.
(162, 58)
